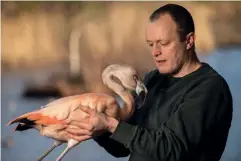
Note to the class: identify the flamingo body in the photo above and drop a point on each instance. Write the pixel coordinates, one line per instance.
(50, 120)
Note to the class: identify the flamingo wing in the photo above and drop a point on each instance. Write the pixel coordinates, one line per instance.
(61, 100)
(55, 112)
(37, 117)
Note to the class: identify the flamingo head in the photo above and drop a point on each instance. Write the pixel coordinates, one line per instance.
(122, 77)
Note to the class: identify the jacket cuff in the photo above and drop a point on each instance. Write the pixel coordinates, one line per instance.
(124, 133)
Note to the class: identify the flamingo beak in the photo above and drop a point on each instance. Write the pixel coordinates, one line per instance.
(140, 90)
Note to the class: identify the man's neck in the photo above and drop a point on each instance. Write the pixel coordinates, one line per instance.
(188, 67)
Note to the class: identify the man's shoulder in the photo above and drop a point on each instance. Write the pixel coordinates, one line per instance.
(213, 77)
(209, 78)
(150, 75)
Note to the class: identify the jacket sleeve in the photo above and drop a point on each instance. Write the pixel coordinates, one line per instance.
(206, 107)
(113, 147)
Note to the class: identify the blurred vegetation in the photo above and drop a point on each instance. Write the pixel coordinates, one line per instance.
(39, 33)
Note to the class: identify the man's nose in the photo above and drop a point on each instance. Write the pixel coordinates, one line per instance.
(156, 50)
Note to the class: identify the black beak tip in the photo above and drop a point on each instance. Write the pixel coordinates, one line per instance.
(140, 99)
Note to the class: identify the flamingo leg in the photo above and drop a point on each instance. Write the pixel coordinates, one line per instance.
(70, 145)
(55, 144)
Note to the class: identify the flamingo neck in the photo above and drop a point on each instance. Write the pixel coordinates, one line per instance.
(127, 110)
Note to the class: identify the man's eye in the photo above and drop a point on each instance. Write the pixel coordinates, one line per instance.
(164, 44)
(150, 45)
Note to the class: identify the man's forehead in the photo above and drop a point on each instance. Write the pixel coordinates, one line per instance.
(164, 26)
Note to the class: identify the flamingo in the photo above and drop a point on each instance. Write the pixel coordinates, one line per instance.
(51, 119)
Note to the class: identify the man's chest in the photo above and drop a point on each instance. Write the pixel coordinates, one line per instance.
(160, 105)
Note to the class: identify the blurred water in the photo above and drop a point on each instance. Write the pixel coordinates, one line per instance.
(228, 64)
(29, 145)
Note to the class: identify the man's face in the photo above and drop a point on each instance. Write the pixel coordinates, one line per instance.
(163, 39)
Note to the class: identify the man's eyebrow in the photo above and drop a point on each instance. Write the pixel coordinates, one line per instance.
(159, 40)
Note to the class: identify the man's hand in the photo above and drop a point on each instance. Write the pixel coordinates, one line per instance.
(93, 125)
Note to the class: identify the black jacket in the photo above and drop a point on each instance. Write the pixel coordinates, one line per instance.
(183, 119)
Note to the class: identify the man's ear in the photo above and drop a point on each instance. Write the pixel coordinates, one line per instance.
(190, 40)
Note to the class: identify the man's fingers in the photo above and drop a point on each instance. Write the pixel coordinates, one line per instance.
(79, 138)
(86, 109)
(82, 125)
(76, 131)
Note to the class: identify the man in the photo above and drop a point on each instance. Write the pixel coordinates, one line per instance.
(188, 109)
